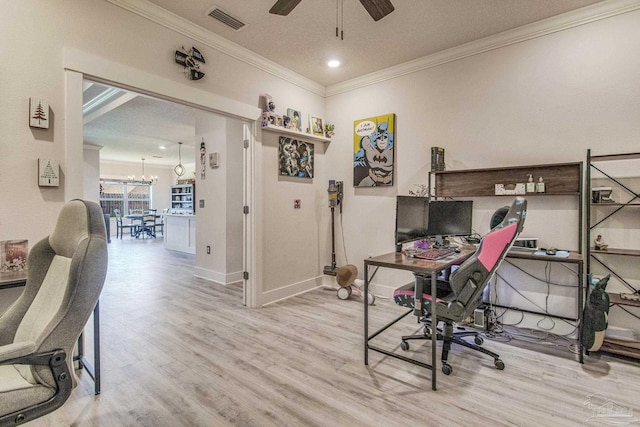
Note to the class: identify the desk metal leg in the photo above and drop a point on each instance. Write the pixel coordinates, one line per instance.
(580, 309)
(434, 329)
(93, 371)
(366, 314)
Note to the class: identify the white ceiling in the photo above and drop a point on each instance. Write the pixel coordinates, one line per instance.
(131, 127)
(305, 40)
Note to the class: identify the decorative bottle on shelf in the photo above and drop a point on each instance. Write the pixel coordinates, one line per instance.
(540, 186)
(531, 186)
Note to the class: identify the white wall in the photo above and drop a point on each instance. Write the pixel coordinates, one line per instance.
(91, 155)
(221, 191)
(545, 100)
(38, 33)
(540, 101)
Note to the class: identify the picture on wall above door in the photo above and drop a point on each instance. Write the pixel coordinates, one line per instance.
(373, 148)
(295, 158)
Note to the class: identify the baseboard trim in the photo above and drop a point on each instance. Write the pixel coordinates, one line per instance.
(292, 290)
(217, 277)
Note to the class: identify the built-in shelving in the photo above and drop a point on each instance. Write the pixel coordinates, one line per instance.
(182, 197)
(296, 134)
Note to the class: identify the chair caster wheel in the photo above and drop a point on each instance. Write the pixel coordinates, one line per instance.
(499, 364)
(404, 346)
(478, 340)
(344, 293)
(447, 369)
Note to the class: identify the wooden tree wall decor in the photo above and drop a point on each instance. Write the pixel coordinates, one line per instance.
(191, 61)
(38, 113)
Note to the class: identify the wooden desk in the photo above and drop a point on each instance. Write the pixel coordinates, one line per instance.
(420, 268)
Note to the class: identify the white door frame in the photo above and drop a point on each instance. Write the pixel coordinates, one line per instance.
(79, 65)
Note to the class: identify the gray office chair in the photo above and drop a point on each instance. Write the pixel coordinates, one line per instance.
(66, 272)
(462, 294)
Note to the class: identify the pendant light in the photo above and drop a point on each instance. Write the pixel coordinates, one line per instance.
(179, 169)
(143, 180)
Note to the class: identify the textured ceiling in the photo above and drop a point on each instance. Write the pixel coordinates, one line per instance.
(305, 40)
(130, 127)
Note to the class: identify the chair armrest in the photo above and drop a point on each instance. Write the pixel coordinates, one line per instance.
(16, 350)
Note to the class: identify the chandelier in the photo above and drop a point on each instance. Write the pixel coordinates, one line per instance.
(179, 169)
(143, 179)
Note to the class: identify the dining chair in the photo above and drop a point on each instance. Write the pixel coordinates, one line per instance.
(121, 225)
(148, 227)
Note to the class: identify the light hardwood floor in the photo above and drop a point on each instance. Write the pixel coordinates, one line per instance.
(181, 351)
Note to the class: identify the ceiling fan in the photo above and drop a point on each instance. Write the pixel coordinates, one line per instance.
(378, 9)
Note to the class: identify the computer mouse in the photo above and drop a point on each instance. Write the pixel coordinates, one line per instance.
(550, 252)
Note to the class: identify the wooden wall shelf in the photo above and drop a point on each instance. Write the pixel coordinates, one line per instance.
(560, 179)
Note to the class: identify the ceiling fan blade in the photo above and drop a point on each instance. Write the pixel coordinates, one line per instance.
(284, 7)
(378, 9)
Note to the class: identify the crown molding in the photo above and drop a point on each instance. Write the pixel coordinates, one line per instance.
(199, 34)
(585, 15)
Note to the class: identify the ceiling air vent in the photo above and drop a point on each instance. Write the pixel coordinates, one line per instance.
(228, 20)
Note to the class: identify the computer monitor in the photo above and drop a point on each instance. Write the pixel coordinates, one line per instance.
(450, 218)
(418, 218)
(411, 219)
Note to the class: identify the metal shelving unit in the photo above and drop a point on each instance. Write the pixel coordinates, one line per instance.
(603, 257)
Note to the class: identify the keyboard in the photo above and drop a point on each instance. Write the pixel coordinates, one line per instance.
(432, 253)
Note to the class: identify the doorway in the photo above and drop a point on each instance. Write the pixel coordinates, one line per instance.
(76, 66)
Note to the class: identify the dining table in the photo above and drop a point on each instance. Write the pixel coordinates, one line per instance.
(140, 228)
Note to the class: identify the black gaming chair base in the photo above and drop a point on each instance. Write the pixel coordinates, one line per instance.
(449, 338)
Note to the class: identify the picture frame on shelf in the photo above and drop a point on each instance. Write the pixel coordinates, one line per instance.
(279, 121)
(296, 119)
(316, 125)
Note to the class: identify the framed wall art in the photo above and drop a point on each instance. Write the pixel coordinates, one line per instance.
(13, 256)
(295, 158)
(373, 151)
(38, 113)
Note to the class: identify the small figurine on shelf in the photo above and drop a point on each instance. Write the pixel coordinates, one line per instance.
(268, 103)
(599, 244)
(328, 130)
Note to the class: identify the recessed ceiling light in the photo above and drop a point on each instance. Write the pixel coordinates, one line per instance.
(162, 147)
(333, 63)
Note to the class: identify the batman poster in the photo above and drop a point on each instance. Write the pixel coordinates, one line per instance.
(373, 148)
